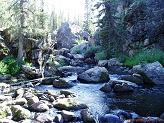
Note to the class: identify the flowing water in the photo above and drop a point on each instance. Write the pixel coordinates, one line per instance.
(146, 101)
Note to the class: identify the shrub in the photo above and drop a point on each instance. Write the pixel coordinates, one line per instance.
(27, 63)
(9, 66)
(78, 51)
(147, 56)
(92, 51)
(101, 56)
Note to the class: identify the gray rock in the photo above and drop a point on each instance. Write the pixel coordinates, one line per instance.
(162, 116)
(72, 69)
(114, 62)
(82, 48)
(5, 77)
(68, 116)
(123, 88)
(19, 101)
(48, 80)
(19, 93)
(33, 100)
(20, 113)
(68, 104)
(87, 116)
(67, 93)
(110, 118)
(39, 107)
(121, 82)
(43, 118)
(103, 63)
(152, 73)
(143, 22)
(78, 56)
(61, 83)
(5, 98)
(133, 78)
(115, 67)
(66, 35)
(7, 121)
(59, 118)
(106, 87)
(94, 75)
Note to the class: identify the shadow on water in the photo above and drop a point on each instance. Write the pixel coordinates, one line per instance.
(147, 101)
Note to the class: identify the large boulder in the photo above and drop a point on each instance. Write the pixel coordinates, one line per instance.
(94, 75)
(67, 35)
(152, 73)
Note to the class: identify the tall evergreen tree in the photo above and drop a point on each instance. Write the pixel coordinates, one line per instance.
(112, 31)
(88, 16)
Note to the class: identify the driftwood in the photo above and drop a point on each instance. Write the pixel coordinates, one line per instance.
(33, 82)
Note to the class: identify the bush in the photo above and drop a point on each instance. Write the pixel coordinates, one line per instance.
(9, 66)
(147, 56)
(92, 51)
(27, 63)
(101, 56)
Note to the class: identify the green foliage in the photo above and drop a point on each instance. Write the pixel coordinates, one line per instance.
(27, 63)
(92, 51)
(78, 51)
(57, 64)
(147, 56)
(101, 56)
(9, 66)
(113, 32)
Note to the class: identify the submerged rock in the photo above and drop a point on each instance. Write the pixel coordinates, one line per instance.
(94, 75)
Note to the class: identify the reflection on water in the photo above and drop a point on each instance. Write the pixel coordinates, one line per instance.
(145, 101)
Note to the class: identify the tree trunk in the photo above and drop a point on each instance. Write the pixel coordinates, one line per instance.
(22, 19)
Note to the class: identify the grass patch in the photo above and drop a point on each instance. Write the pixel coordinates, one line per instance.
(147, 56)
(78, 51)
(101, 56)
(92, 51)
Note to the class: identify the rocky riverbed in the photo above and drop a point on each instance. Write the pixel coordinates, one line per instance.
(82, 103)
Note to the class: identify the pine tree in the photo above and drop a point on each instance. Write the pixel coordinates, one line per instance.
(88, 16)
(112, 31)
